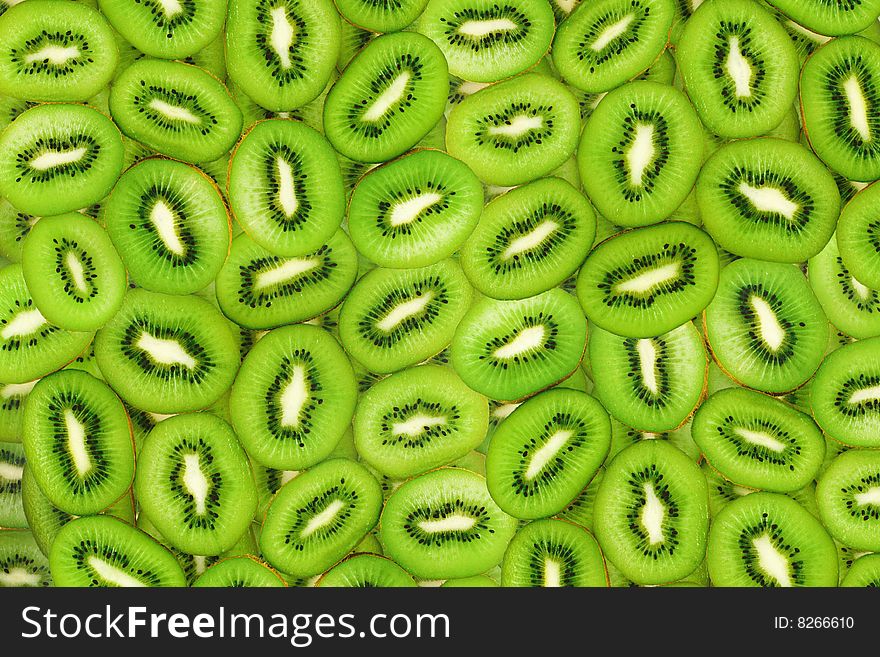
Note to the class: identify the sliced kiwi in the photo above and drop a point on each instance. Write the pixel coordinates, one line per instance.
(444, 524)
(865, 572)
(858, 236)
(509, 350)
(580, 509)
(647, 281)
(317, 518)
(167, 354)
(22, 564)
(414, 211)
(418, 419)
(832, 18)
(12, 462)
(293, 398)
(765, 327)
(243, 571)
(769, 540)
(178, 109)
(366, 571)
(848, 493)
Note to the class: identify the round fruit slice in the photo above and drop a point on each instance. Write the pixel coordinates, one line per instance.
(858, 236)
(367, 571)
(865, 572)
(22, 564)
(849, 499)
(12, 462)
(239, 572)
(832, 18)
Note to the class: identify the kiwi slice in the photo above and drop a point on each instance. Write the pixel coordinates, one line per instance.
(849, 305)
(394, 318)
(293, 398)
(529, 240)
(103, 551)
(553, 553)
(655, 513)
(418, 419)
(768, 199)
(647, 281)
(865, 572)
(640, 154)
(178, 109)
(167, 354)
(12, 400)
(509, 350)
(30, 347)
(757, 441)
(171, 30)
(546, 452)
(170, 225)
(55, 52)
(832, 18)
(317, 518)
(515, 131)
(769, 540)
(765, 327)
(380, 15)
(739, 67)
(44, 519)
(195, 484)
(858, 236)
(366, 571)
(21, 562)
(59, 157)
(605, 43)
(476, 581)
(243, 571)
(580, 509)
(848, 493)
(414, 211)
(72, 271)
(485, 40)
(652, 384)
(839, 101)
(12, 461)
(282, 52)
(444, 524)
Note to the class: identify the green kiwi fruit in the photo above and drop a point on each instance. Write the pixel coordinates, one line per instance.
(858, 237)
(243, 571)
(55, 52)
(12, 461)
(545, 452)
(768, 199)
(765, 327)
(623, 436)
(529, 240)
(55, 158)
(22, 564)
(580, 509)
(282, 53)
(31, 347)
(177, 109)
(293, 398)
(769, 540)
(317, 518)
(366, 571)
(380, 15)
(831, 18)
(103, 551)
(484, 40)
(655, 513)
(553, 553)
(647, 281)
(509, 350)
(388, 98)
(418, 419)
(652, 384)
(12, 400)
(169, 223)
(865, 572)
(848, 493)
(167, 354)
(444, 524)
(414, 211)
(604, 43)
(476, 581)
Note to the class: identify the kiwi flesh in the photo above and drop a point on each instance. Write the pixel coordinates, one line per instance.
(22, 564)
(865, 572)
(12, 462)
(858, 237)
(831, 18)
(846, 494)
(243, 571)
(366, 571)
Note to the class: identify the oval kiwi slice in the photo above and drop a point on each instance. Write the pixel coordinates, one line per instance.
(56, 158)
(757, 441)
(418, 419)
(765, 327)
(55, 52)
(243, 571)
(293, 398)
(22, 564)
(170, 225)
(394, 318)
(848, 493)
(769, 540)
(529, 240)
(388, 98)
(445, 524)
(832, 18)
(366, 571)
(167, 354)
(865, 572)
(509, 350)
(414, 211)
(739, 67)
(103, 551)
(768, 199)
(858, 236)
(317, 518)
(553, 553)
(12, 462)
(178, 109)
(645, 282)
(546, 452)
(12, 400)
